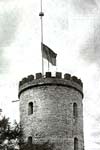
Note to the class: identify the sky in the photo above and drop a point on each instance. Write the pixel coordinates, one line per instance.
(72, 30)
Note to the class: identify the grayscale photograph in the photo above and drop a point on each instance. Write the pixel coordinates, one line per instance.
(49, 75)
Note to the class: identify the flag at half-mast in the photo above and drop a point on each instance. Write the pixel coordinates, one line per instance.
(48, 54)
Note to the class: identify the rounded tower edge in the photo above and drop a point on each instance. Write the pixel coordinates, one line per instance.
(32, 81)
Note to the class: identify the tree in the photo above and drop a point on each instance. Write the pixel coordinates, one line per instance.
(9, 135)
(4, 128)
(12, 138)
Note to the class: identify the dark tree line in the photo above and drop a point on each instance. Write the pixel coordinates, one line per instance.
(9, 135)
(11, 138)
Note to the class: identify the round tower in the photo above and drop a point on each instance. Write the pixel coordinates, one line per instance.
(51, 109)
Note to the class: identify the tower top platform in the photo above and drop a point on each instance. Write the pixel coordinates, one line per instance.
(38, 80)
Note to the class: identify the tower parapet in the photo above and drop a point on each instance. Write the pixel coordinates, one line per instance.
(51, 108)
(38, 80)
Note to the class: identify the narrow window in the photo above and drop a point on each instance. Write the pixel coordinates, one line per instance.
(30, 108)
(75, 112)
(75, 143)
(30, 140)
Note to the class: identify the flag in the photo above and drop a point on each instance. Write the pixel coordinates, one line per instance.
(48, 54)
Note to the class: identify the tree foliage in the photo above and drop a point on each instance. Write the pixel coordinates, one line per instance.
(12, 138)
(4, 128)
(8, 134)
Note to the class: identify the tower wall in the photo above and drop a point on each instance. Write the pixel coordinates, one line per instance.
(52, 117)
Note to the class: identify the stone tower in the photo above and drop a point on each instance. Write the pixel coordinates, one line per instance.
(51, 109)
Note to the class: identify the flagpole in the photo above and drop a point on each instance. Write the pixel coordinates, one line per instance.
(41, 14)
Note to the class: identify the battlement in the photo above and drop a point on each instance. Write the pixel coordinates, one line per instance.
(48, 79)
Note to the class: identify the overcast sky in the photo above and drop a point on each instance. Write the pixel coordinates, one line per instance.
(72, 30)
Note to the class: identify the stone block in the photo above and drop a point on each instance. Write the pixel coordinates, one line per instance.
(58, 75)
(67, 76)
(38, 75)
(30, 77)
(48, 74)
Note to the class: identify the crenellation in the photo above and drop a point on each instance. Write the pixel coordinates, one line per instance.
(48, 74)
(58, 75)
(30, 78)
(67, 76)
(20, 83)
(75, 79)
(80, 82)
(69, 81)
(38, 75)
(24, 80)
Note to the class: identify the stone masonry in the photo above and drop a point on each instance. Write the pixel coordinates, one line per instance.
(53, 117)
